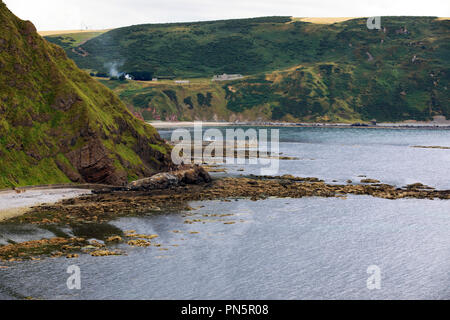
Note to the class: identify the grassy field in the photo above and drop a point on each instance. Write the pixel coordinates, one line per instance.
(69, 39)
(70, 32)
(324, 20)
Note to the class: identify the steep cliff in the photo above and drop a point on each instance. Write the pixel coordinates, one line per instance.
(58, 125)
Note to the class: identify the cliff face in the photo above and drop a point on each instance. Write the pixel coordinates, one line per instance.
(58, 125)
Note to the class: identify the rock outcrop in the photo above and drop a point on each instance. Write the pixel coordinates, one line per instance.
(93, 164)
(110, 204)
(158, 181)
(185, 175)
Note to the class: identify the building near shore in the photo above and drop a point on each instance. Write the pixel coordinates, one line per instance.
(182, 81)
(227, 77)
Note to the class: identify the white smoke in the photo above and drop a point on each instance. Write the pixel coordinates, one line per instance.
(113, 70)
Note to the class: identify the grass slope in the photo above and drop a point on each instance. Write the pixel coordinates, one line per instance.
(164, 100)
(297, 70)
(57, 124)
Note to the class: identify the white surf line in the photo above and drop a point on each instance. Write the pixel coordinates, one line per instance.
(169, 124)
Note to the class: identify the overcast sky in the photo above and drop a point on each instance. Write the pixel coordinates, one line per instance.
(101, 14)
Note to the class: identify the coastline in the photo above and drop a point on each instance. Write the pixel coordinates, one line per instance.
(385, 125)
(155, 196)
(68, 207)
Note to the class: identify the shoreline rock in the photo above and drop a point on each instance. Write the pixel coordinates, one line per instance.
(108, 205)
(183, 175)
(370, 181)
(145, 199)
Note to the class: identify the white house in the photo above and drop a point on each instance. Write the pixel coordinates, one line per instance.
(227, 77)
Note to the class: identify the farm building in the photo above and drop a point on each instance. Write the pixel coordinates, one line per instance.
(227, 77)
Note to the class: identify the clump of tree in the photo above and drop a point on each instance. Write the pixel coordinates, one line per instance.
(188, 101)
(99, 74)
(172, 95)
(141, 75)
(204, 101)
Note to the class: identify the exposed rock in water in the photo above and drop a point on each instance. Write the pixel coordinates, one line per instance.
(370, 181)
(105, 253)
(40, 247)
(193, 175)
(108, 205)
(186, 175)
(289, 177)
(158, 181)
(418, 186)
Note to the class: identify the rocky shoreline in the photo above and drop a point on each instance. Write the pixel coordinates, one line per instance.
(172, 191)
(164, 192)
(71, 247)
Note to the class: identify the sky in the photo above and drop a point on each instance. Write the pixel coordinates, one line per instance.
(105, 14)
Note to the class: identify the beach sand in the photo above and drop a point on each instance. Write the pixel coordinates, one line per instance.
(13, 204)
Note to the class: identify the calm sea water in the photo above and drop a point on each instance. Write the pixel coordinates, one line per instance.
(347, 153)
(310, 248)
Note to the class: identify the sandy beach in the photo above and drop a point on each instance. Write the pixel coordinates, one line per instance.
(13, 204)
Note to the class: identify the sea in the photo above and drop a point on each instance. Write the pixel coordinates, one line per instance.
(355, 247)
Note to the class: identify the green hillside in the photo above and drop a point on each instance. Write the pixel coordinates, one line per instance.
(189, 49)
(164, 100)
(59, 125)
(296, 70)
